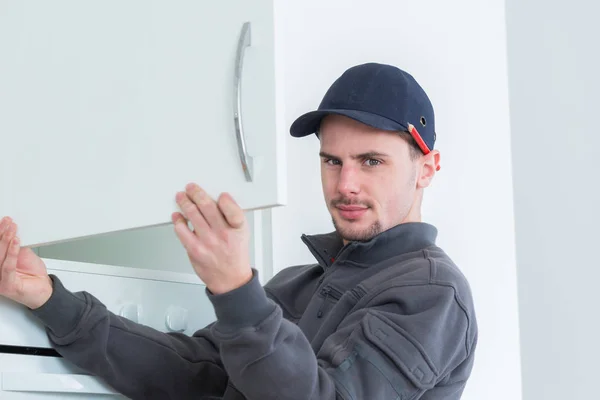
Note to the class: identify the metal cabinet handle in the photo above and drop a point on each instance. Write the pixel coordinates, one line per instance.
(243, 42)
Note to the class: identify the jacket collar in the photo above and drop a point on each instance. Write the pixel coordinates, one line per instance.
(400, 239)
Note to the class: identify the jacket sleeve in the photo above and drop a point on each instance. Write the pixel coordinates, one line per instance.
(136, 360)
(394, 348)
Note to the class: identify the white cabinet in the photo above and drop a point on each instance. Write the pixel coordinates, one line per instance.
(168, 302)
(48, 378)
(155, 248)
(108, 108)
(165, 301)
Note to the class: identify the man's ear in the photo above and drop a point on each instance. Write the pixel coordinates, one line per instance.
(430, 163)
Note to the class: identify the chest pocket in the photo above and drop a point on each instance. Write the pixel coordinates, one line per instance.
(331, 296)
(325, 312)
(319, 309)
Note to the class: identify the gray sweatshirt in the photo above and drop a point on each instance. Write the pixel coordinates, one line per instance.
(391, 318)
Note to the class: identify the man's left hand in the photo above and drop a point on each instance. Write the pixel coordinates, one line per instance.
(218, 244)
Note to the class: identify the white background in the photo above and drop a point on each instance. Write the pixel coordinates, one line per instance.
(554, 93)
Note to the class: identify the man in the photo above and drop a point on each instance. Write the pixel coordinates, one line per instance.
(384, 314)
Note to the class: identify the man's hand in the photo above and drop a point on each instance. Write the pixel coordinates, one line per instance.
(23, 275)
(218, 245)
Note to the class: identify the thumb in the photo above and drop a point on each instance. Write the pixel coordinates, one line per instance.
(9, 268)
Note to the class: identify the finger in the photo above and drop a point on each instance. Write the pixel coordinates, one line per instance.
(191, 212)
(234, 215)
(9, 233)
(175, 216)
(9, 266)
(183, 232)
(207, 206)
(3, 224)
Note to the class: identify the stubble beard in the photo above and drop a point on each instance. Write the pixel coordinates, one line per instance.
(358, 234)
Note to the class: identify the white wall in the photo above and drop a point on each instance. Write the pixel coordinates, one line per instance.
(555, 99)
(457, 50)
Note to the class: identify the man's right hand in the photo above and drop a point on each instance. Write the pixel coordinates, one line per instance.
(23, 275)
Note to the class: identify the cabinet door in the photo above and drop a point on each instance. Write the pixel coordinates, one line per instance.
(108, 108)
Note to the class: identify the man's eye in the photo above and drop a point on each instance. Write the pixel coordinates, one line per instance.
(332, 162)
(371, 162)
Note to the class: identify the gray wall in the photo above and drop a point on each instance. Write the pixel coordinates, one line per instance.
(554, 62)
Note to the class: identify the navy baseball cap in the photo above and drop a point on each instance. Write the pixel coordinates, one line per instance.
(378, 95)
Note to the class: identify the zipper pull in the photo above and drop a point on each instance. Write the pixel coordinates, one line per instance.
(325, 291)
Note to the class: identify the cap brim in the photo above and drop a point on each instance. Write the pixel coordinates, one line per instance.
(309, 123)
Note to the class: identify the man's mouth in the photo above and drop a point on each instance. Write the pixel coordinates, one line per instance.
(351, 212)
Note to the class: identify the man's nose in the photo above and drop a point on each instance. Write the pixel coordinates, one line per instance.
(349, 182)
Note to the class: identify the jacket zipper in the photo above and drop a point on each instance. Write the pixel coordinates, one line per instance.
(326, 292)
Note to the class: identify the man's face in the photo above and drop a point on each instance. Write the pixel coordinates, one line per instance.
(369, 181)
